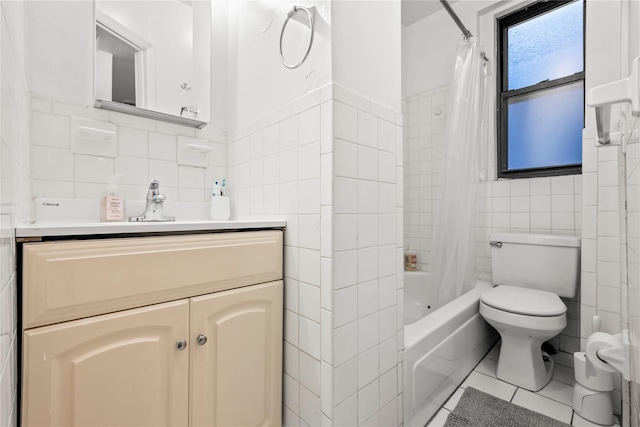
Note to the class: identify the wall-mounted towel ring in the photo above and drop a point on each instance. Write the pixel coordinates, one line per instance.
(311, 24)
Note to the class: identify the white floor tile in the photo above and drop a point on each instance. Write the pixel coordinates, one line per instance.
(554, 400)
(439, 419)
(560, 392)
(454, 399)
(543, 405)
(564, 374)
(490, 385)
(488, 367)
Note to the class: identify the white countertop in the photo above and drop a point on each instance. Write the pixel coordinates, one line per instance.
(74, 217)
(99, 228)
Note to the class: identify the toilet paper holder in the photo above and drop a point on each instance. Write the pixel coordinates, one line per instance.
(609, 353)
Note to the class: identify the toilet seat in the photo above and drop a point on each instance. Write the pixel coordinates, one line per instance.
(524, 301)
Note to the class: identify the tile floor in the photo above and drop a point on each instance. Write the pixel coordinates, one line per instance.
(554, 400)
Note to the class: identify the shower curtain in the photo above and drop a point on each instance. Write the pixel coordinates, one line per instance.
(452, 255)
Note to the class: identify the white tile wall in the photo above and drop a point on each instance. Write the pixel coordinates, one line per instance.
(328, 164)
(541, 205)
(631, 301)
(366, 171)
(146, 150)
(603, 243)
(14, 191)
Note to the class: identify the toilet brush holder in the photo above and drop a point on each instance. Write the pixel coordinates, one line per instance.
(591, 393)
(592, 405)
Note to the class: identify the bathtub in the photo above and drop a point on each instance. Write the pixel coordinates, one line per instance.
(441, 348)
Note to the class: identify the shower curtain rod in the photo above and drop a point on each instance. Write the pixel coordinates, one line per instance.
(465, 31)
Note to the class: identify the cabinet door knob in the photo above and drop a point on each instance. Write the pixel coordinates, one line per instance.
(181, 345)
(202, 339)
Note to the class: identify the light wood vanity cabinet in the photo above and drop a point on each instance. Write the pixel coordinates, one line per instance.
(212, 356)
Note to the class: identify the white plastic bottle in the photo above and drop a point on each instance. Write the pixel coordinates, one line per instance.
(112, 206)
(220, 209)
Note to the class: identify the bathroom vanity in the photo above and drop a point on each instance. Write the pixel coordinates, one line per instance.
(159, 328)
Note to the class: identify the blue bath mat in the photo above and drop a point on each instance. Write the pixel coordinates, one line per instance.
(478, 409)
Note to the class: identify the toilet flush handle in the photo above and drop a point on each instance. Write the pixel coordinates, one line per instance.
(496, 244)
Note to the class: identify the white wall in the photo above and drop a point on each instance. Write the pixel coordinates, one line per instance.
(631, 401)
(258, 82)
(426, 49)
(14, 191)
(321, 158)
(429, 46)
(146, 150)
(59, 49)
(604, 269)
(365, 49)
(328, 164)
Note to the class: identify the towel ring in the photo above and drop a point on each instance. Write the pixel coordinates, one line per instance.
(311, 25)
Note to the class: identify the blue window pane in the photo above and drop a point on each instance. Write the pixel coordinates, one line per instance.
(549, 46)
(545, 128)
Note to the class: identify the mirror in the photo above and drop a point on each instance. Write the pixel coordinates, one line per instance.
(152, 59)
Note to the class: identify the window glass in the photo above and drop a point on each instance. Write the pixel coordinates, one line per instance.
(545, 127)
(548, 46)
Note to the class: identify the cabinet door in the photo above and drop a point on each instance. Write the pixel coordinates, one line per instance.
(236, 376)
(121, 369)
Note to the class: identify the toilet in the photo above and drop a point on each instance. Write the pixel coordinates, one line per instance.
(530, 273)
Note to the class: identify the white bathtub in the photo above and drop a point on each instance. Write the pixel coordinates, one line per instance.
(416, 293)
(441, 349)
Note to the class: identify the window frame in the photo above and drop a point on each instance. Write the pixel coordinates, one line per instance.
(503, 94)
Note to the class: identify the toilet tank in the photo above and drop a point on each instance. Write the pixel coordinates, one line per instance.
(536, 261)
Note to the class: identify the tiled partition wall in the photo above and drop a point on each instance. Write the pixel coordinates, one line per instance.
(146, 150)
(631, 400)
(14, 191)
(604, 246)
(330, 164)
(606, 286)
(603, 242)
(541, 205)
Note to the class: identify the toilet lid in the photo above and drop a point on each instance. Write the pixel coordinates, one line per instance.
(525, 301)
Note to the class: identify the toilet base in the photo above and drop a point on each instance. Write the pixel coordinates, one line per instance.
(521, 361)
(521, 364)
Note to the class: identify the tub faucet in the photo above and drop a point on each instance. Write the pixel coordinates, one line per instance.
(154, 209)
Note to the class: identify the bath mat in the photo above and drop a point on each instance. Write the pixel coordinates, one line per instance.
(478, 409)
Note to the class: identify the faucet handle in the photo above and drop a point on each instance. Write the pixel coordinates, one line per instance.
(159, 198)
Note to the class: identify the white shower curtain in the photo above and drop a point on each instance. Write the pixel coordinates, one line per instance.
(452, 256)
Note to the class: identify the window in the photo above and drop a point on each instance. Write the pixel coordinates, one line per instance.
(541, 90)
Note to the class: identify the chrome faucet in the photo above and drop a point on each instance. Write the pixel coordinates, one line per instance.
(154, 209)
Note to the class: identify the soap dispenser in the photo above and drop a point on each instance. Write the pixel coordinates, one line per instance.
(112, 206)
